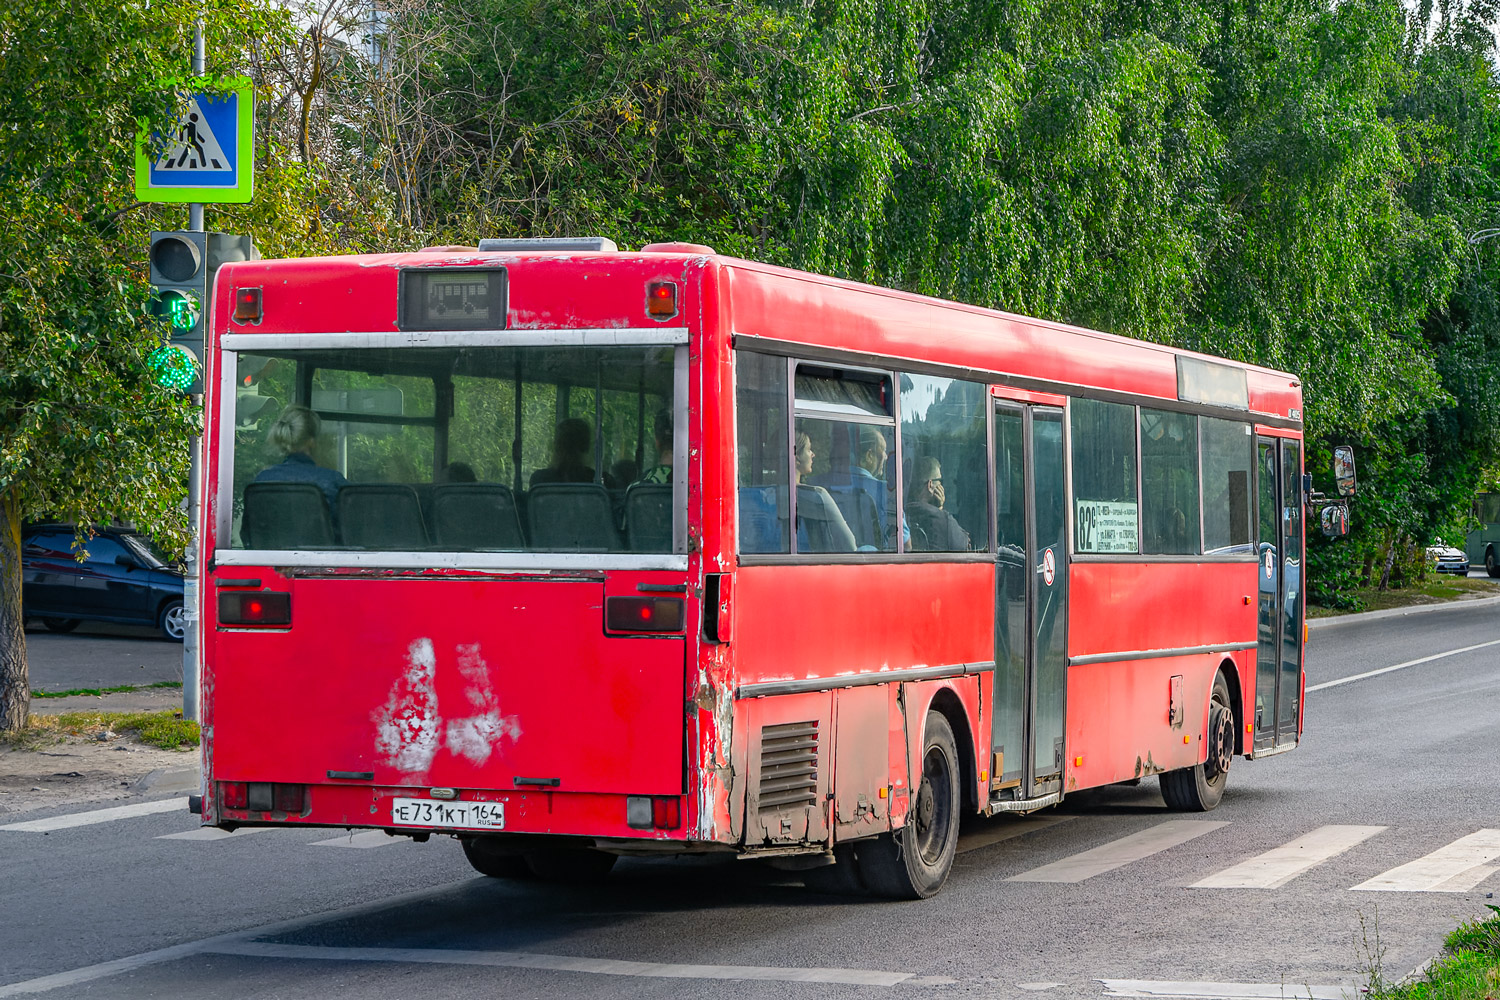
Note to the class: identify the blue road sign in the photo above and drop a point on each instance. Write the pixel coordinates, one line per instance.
(207, 155)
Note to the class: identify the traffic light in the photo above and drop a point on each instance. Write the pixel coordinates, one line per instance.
(183, 264)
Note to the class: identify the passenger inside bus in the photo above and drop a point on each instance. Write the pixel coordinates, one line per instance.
(661, 473)
(820, 526)
(294, 436)
(933, 528)
(570, 448)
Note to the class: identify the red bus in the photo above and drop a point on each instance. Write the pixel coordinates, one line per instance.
(504, 544)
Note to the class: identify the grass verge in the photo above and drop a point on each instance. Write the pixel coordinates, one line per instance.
(165, 729)
(95, 692)
(1468, 968)
(1434, 590)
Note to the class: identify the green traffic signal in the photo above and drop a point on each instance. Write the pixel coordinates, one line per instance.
(174, 366)
(178, 308)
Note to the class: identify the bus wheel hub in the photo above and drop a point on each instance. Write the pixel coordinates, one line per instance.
(1220, 740)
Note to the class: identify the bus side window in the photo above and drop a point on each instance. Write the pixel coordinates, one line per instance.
(761, 428)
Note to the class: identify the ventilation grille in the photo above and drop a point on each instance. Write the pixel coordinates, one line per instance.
(788, 765)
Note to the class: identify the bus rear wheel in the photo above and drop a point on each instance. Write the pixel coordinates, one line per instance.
(914, 861)
(488, 858)
(1199, 788)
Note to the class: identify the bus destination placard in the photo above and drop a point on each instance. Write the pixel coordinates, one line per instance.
(1107, 526)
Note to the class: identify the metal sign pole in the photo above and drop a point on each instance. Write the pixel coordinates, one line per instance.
(190, 619)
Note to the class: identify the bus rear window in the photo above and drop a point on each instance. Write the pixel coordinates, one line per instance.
(485, 449)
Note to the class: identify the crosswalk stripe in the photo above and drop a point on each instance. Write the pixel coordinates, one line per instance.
(1458, 867)
(96, 816)
(1116, 853)
(362, 841)
(1279, 866)
(214, 833)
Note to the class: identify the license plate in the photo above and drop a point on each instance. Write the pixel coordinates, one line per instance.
(463, 815)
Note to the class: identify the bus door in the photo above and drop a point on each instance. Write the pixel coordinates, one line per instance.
(1030, 603)
(1278, 667)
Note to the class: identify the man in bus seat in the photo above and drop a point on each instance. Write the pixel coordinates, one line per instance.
(661, 472)
(820, 525)
(294, 436)
(924, 506)
(570, 448)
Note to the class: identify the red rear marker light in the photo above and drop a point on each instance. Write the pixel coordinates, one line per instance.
(643, 614)
(289, 798)
(234, 794)
(661, 299)
(666, 814)
(247, 305)
(255, 608)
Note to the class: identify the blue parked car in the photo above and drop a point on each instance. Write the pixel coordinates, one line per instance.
(122, 580)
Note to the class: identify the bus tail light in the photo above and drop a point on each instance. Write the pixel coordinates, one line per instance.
(653, 812)
(643, 614)
(289, 798)
(255, 608)
(247, 305)
(661, 299)
(234, 794)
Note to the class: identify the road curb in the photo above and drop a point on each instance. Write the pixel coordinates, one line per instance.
(1314, 624)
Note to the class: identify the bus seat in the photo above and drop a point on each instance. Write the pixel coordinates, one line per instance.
(761, 526)
(572, 516)
(858, 508)
(820, 524)
(286, 516)
(648, 517)
(475, 516)
(385, 516)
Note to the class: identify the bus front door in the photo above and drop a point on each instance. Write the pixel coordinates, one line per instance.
(1278, 666)
(1030, 682)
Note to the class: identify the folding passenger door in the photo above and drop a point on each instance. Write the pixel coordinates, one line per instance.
(1278, 667)
(1030, 684)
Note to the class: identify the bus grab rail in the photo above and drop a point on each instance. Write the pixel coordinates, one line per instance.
(765, 689)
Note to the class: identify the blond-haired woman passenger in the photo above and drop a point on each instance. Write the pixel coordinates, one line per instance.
(294, 436)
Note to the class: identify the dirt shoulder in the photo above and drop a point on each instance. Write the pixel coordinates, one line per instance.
(93, 767)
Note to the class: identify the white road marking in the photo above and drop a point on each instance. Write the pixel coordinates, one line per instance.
(1116, 853)
(362, 841)
(567, 963)
(1399, 666)
(214, 833)
(1277, 867)
(1458, 867)
(1001, 830)
(1226, 991)
(96, 816)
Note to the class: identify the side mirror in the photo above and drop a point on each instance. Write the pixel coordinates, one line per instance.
(1343, 473)
(1335, 520)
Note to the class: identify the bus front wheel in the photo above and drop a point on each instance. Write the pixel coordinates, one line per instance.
(1490, 565)
(1199, 788)
(914, 861)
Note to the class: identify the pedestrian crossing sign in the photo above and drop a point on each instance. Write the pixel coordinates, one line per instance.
(208, 153)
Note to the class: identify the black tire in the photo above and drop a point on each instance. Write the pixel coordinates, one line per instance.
(1199, 788)
(60, 624)
(569, 864)
(172, 622)
(914, 861)
(488, 858)
(1490, 565)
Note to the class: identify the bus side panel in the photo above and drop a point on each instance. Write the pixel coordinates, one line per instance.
(1120, 714)
(959, 696)
(1126, 607)
(1120, 718)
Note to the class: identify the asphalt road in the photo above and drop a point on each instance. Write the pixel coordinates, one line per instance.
(1409, 754)
(99, 655)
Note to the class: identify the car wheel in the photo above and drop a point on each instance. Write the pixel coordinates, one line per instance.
(1199, 788)
(173, 621)
(60, 624)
